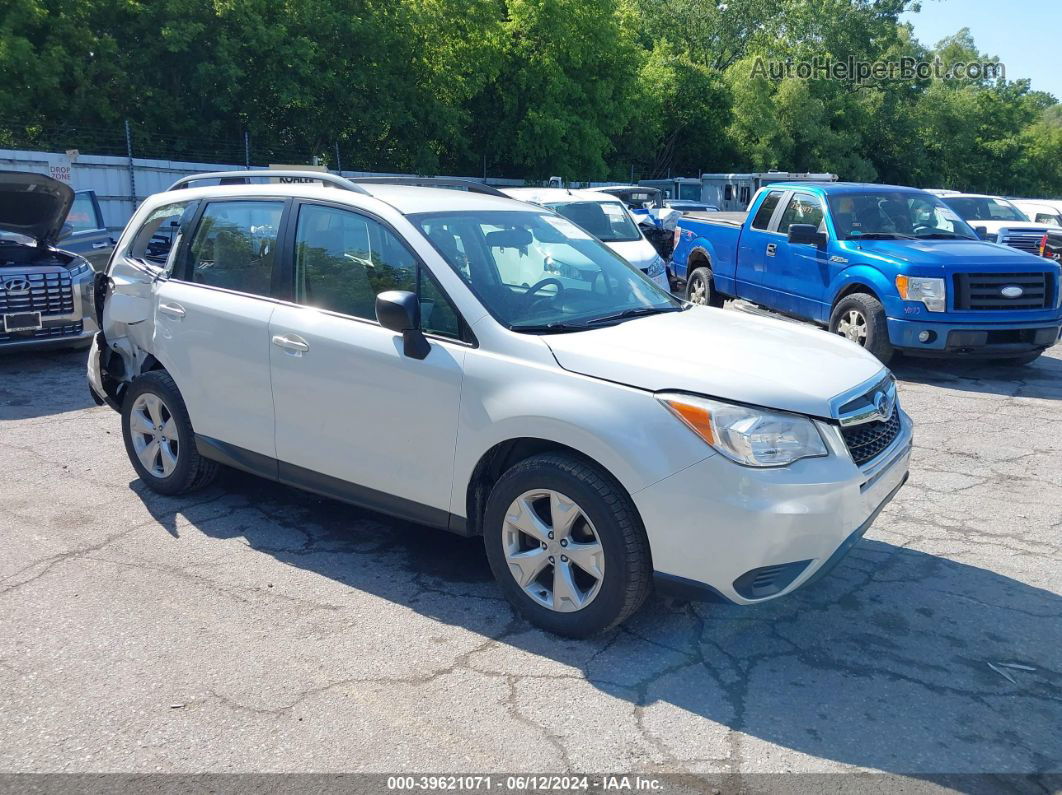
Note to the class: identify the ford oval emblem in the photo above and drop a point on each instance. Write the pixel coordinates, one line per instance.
(1012, 291)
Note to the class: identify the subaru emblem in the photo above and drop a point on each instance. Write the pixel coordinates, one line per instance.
(1012, 291)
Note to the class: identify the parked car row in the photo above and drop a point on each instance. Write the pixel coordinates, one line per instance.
(514, 366)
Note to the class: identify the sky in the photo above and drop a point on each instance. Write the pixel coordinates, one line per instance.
(1026, 35)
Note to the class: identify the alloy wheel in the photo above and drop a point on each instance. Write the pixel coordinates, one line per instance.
(553, 551)
(853, 326)
(156, 439)
(698, 292)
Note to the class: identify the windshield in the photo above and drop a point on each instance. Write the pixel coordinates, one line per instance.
(892, 214)
(984, 208)
(539, 272)
(609, 222)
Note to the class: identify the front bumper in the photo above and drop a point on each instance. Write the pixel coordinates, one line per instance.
(55, 333)
(749, 535)
(973, 339)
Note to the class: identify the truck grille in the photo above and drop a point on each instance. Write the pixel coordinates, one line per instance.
(1025, 241)
(984, 290)
(51, 332)
(49, 294)
(869, 439)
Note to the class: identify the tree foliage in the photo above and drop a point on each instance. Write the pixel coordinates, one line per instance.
(587, 89)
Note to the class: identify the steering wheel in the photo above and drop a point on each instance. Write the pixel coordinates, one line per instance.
(528, 298)
(920, 228)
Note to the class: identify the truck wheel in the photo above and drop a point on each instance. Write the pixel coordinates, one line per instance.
(566, 545)
(860, 317)
(159, 438)
(699, 288)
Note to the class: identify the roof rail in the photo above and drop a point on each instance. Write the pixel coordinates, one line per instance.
(434, 182)
(265, 173)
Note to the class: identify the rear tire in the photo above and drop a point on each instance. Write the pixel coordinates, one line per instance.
(700, 290)
(159, 438)
(571, 508)
(860, 317)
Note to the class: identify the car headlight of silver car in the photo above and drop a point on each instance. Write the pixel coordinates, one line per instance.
(930, 292)
(80, 269)
(748, 435)
(656, 268)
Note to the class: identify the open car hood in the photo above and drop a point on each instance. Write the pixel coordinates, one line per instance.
(33, 205)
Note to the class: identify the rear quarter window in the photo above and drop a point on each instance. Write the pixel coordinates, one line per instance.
(160, 232)
(763, 215)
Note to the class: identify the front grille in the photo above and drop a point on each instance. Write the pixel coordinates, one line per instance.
(49, 294)
(984, 290)
(51, 332)
(1025, 241)
(869, 439)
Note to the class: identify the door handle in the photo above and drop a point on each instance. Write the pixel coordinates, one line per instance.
(771, 249)
(291, 343)
(101, 244)
(174, 310)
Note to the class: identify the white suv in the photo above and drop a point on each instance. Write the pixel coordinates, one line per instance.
(468, 361)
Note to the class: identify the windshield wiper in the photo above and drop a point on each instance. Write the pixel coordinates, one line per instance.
(551, 328)
(944, 236)
(640, 311)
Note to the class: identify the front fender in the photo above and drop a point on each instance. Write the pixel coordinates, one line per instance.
(624, 430)
(871, 278)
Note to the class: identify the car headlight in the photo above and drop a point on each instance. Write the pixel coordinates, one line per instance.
(930, 292)
(657, 268)
(80, 269)
(748, 435)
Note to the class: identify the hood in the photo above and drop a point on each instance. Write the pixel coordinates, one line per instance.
(639, 253)
(722, 354)
(939, 254)
(33, 205)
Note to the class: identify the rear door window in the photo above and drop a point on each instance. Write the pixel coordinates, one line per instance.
(159, 234)
(234, 246)
(763, 215)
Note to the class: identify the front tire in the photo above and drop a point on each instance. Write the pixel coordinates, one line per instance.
(159, 438)
(700, 290)
(860, 317)
(566, 545)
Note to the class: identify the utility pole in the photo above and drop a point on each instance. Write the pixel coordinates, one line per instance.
(247, 148)
(132, 172)
(339, 164)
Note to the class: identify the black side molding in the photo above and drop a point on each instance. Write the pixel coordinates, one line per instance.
(328, 486)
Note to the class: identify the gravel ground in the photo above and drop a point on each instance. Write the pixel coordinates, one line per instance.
(250, 627)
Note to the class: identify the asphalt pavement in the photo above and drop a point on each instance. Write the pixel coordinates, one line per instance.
(251, 627)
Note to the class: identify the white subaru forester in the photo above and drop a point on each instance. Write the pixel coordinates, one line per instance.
(464, 360)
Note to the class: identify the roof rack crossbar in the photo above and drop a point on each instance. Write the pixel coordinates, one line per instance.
(264, 173)
(435, 182)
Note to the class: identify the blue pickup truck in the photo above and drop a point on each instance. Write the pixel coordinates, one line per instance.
(890, 268)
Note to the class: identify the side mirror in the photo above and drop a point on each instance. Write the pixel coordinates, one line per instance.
(806, 233)
(981, 232)
(399, 311)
